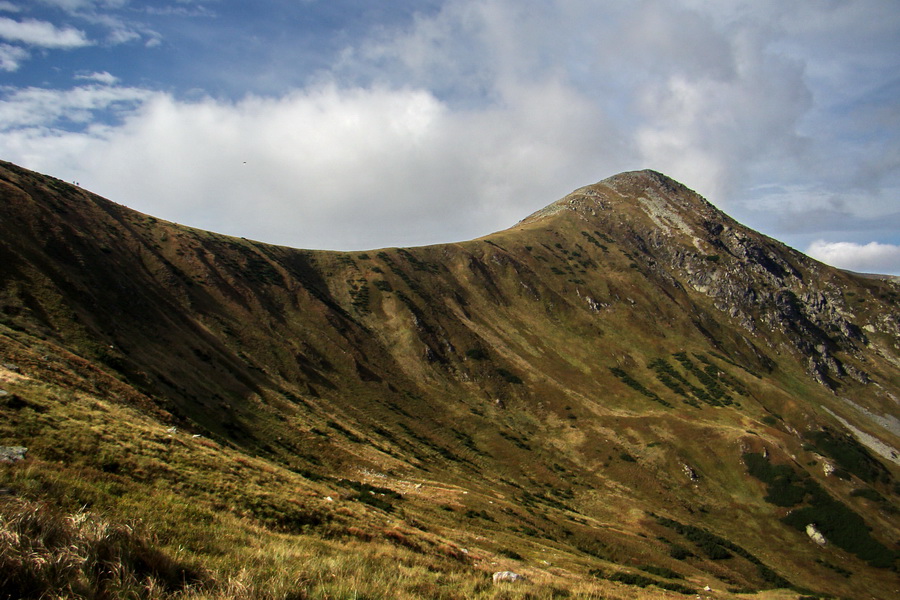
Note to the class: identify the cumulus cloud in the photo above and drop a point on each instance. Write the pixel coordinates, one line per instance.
(873, 257)
(39, 112)
(700, 98)
(464, 120)
(100, 77)
(326, 167)
(72, 6)
(42, 34)
(12, 57)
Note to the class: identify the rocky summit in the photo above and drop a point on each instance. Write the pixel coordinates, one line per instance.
(627, 394)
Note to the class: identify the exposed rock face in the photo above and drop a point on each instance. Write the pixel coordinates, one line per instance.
(758, 282)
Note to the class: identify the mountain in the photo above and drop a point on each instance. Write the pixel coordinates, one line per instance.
(625, 393)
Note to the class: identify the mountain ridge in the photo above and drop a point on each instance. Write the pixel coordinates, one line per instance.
(603, 367)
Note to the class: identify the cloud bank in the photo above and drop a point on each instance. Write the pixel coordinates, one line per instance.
(41, 34)
(463, 121)
(863, 258)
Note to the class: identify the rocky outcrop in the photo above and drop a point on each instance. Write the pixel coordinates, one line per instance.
(761, 284)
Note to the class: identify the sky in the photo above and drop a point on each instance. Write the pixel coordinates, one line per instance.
(360, 124)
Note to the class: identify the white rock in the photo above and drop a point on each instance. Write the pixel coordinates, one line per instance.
(507, 576)
(815, 535)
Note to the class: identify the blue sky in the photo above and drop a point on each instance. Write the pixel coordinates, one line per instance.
(360, 124)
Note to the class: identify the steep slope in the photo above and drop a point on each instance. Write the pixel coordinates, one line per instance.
(625, 378)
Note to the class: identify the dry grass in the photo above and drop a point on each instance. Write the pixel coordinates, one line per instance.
(45, 554)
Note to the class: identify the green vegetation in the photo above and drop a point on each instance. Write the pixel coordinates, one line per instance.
(849, 455)
(379, 497)
(594, 241)
(673, 380)
(679, 552)
(838, 523)
(661, 572)
(635, 385)
(844, 528)
(868, 494)
(786, 487)
(711, 393)
(839, 570)
(477, 354)
(509, 377)
(718, 548)
(417, 264)
(710, 378)
(359, 294)
(638, 580)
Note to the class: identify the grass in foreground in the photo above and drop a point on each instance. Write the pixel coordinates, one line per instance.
(45, 553)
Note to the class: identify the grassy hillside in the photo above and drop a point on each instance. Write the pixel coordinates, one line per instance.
(625, 395)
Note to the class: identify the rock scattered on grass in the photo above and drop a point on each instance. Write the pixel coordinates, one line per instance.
(501, 576)
(12, 454)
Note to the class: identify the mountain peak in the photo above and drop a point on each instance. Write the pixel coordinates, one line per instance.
(647, 176)
(635, 196)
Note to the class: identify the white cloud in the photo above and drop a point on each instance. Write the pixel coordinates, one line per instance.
(42, 34)
(100, 77)
(873, 257)
(9, 7)
(464, 121)
(80, 5)
(701, 99)
(12, 57)
(44, 109)
(325, 167)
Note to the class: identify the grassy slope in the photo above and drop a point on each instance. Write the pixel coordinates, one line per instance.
(519, 420)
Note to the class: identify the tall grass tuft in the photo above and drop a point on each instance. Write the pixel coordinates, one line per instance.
(45, 553)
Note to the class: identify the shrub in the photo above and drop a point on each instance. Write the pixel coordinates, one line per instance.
(373, 500)
(635, 385)
(849, 454)
(840, 525)
(477, 354)
(661, 572)
(844, 528)
(509, 554)
(679, 552)
(643, 581)
(509, 377)
(868, 494)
